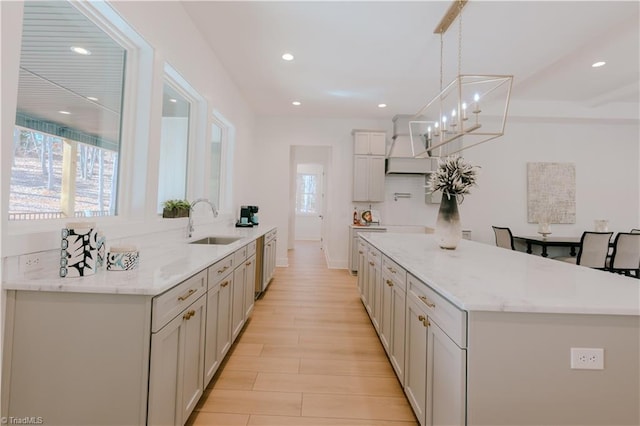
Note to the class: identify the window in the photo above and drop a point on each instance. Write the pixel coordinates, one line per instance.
(215, 165)
(174, 145)
(308, 190)
(66, 143)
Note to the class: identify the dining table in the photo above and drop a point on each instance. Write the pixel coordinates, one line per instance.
(572, 242)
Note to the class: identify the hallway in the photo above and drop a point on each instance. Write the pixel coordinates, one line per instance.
(308, 356)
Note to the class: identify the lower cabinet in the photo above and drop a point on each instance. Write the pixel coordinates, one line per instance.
(176, 374)
(269, 258)
(435, 364)
(249, 285)
(217, 332)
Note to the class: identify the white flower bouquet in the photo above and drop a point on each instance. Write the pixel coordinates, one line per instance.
(455, 176)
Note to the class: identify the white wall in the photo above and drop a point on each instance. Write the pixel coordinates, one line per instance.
(605, 153)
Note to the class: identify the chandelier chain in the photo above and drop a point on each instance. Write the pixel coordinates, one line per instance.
(441, 59)
(460, 5)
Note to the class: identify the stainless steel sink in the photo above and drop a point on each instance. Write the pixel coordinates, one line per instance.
(218, 240)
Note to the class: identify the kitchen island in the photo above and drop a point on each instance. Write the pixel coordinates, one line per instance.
(130, 347)
(489, 334)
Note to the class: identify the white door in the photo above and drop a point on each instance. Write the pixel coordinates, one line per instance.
(309, 202)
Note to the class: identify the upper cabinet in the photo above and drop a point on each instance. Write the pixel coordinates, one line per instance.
(369, 143)
(368, 166)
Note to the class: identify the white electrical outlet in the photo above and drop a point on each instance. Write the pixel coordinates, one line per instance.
(587, 358)
(31, 262)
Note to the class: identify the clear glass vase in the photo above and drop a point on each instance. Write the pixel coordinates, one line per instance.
(448, 228)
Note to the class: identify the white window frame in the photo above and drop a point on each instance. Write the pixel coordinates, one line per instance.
(134, 140)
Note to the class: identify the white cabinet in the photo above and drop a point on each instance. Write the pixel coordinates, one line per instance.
(368, 166)
(238, 292)
(176, 373)
(374, 276)
(269, 258)
(392, 322)
(218, 274)
(361, 253)
(368, 178)
(353, 243)
(223, 341)
(250, 279)
(369, 142)
(435, 363)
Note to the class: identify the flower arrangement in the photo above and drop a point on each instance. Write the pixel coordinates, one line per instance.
(455, 176)
(175, 208)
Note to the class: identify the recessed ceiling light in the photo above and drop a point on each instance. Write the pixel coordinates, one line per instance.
(598, 64)
(287, 57)
(92, 98)
(64, 112)
(173, 100)
(296, 103)
(80, 50)
(382, 105)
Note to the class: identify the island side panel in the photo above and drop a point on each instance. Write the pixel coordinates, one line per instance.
(519, 370)
(78, 358)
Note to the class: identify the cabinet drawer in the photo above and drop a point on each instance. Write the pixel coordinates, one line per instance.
(375, 256)
(450, 319)
(394, 271)
(219, 270)
(270, 235)
(251, 249)
(239, 256)
(169, 304)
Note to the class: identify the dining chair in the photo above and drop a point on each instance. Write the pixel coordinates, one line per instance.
(593, 251)
(504, 237)
(626, 254)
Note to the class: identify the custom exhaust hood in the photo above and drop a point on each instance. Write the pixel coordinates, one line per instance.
(400, 158)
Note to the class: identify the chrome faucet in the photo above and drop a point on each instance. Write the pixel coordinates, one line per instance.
(190, 224)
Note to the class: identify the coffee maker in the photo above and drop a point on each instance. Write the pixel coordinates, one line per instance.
(248, 216)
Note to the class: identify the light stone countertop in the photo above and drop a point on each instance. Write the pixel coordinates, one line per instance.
(482, 277)
(164, 263)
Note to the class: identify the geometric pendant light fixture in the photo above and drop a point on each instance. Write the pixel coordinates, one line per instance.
(470, 110)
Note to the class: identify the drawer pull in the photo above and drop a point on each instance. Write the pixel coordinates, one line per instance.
(427, 302)
(426, 323)
(421, 318)
(186, 296)
(248, 264)
(224, 284)
(373, 253)
(393, 271)
(390, 283)
(360, 251)
(189, 314)
(371, 263)
(223, 269)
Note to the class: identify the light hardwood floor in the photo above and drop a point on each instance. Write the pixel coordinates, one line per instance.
(308, 356)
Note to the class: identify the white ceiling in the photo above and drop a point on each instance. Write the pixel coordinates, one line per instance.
(351, 56)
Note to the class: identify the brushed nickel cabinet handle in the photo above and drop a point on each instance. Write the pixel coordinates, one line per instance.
(186, 296)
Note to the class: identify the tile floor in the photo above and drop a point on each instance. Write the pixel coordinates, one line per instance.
(308, 356)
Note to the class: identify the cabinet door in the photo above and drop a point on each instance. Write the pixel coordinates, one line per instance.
(375, 289)
(361, 178)
(362, 268)
(376, 178)
(194, 320)
(396, 343)
(377, 144)
(446, 372)
(237, 297)
(361, 143)
(415, 383)
(165, 390)
(211, 360)
(176, 379)
(249, 286)
(224, 317)
(386, 313)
